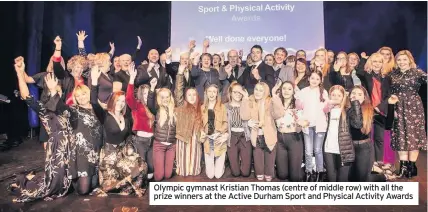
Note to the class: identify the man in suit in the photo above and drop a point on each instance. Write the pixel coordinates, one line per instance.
(282, 72)
(172, 71)
(259, 71)
(152, 70)
(232, 72)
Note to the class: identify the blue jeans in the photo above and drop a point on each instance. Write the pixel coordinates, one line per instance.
(313, 144)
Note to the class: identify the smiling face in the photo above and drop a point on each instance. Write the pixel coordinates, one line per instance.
(403, 62)
(206, 61)
(212, 93)
(216, 60)
(314, 80)
(387, 55)
(165, 98)
(233, 57)
(153, 56)
(77, 70)
(287, 91)
(336, 97)
(300, 67)
(82, 97)
(191, 96)
(120, 103)
(353, 61)
(116, 63)
(357, 94)
(279, 56)
(236, 93)
(259, 92)
(269, 60)
(256, 54)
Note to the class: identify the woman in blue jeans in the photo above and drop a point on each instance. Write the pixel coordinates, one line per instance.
(313, 101)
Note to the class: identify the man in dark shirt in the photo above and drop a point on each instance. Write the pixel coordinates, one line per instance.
(147, 72)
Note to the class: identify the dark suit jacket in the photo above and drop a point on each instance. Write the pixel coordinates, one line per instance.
(172, 70)
(144, 78)
(266, 73)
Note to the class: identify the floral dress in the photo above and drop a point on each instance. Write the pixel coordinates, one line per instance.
(55, 182)
(408, 132)
(87, 141)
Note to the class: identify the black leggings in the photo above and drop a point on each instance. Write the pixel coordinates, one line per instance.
(144, 148)
(336, 171)
(362, 165)
(289, 156)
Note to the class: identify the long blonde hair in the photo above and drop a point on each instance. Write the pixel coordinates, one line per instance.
(206, 101)
(409, 55)
(326, 66)
(367, 110)
(261, 104)
(388, 65)
(168, 111)
(344, 104)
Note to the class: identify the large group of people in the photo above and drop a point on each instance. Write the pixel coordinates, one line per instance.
(110, 128)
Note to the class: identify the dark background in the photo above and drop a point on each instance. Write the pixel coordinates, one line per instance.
(29, 28)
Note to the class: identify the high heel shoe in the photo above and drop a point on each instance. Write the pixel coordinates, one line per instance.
(412, 170)
(403, 169)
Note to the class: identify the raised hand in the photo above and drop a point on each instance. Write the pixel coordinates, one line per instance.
(81, 35)
(58, 42)
(244, 93)
(192, 44)
(276, 87)
(132, 71)
(393, 100)
(363, 55)
(51, 81)
(19, 65)
(168, 52)
(255, 73)
(144, 62)
(95, 74)
(112, 45)
(206, 43)
(337, 65)
(195, 57)
(181, 69)
(153, 83)
(140, 42)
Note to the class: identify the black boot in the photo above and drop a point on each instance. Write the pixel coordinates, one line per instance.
(321, 176)
(403, 172)
(308, 176)
(314, 176)
(412, 170)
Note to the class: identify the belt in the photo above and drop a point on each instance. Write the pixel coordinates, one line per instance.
(361, 141)
(234, 129)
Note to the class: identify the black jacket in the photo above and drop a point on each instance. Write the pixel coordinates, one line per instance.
(354, 118)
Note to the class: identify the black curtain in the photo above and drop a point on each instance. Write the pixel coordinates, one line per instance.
(349, 26)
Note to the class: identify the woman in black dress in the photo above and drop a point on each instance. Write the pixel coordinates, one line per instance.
(408, 132)
(115, 158)
(55, 182)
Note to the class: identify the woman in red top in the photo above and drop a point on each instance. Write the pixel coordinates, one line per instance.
(143, 118)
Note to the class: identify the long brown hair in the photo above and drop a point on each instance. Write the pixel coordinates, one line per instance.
(193, 109)
(347, 68)
(367, 110)
(111, 104)
(140, 98)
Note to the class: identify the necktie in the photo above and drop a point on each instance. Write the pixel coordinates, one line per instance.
(236, 71)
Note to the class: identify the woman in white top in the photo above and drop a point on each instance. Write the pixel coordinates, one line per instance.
(289, 153)
(339, 153)
(313, 100)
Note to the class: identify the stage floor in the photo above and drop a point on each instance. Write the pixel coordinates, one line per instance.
(29, 155)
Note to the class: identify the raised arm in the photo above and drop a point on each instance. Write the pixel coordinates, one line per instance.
(99, 111)
(130, 98)
(57, 67)
(179, 87)
(81, 36)
(137, 50)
